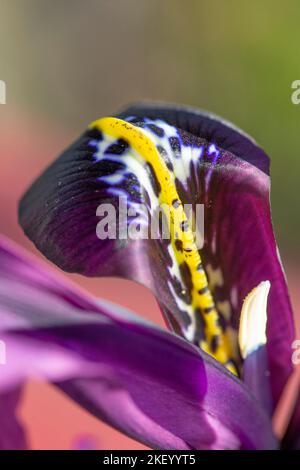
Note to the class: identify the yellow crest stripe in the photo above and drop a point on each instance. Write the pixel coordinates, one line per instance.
(202, 299)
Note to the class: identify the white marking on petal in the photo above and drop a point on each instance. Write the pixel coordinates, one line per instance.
(253, 321)
(115, 178)
(189, 332)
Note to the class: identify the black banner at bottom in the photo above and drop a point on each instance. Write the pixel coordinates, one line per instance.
(136, 459)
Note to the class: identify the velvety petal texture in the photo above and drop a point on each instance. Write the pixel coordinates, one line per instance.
(150, 384)
(213, 164)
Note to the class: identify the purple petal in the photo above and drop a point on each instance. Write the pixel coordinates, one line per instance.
(148, 383)
(12, 436)
(240, 246)
(230, 177)
(207, 126)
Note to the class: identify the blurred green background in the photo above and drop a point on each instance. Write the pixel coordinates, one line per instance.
(71, 61)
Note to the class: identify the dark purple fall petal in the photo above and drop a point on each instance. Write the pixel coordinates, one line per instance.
(148, 383)
(207, 126)
(12, 436)
(240, 244)
(58, 213)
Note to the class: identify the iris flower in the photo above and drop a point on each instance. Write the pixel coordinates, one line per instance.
(217, 377)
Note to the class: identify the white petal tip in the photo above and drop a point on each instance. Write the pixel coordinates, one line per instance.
(253, 321)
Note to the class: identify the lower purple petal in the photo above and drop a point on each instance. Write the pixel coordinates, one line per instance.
(12, 436)
(150, 384)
